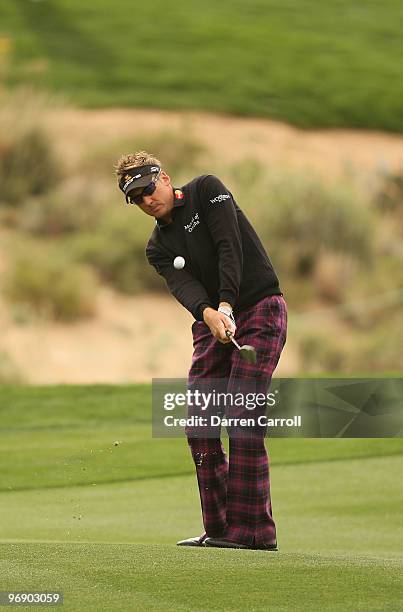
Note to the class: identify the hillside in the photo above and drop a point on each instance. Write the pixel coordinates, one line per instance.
(133, 338)
(308, 63)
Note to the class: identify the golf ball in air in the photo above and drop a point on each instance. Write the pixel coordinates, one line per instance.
(179, 263)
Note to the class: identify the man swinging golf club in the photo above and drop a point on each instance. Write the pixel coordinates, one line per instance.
(215, 265)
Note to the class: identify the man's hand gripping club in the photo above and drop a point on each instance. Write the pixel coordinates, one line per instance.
(220, 321)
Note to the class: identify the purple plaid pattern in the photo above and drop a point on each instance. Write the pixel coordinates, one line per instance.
(212, 476)
(235, 495)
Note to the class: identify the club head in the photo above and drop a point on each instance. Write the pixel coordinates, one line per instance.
(248, 353)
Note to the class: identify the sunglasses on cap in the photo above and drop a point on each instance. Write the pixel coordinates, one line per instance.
(138, 182)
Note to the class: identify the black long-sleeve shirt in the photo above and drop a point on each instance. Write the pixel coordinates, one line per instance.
(225, 260)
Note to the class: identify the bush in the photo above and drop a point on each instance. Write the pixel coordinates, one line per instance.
(388, 201)
(336, 342)
(377, 348)
(321, 352)
(9, 372)
(179, 152)
(27, 166)
(117, 251)
(71, 208)
(50, 284)
(389, 197)
(304, 219)
(333, 276)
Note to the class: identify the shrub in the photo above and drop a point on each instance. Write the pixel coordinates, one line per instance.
(388, 201)
(303, 219)
(379, 349)
(28, 166)
(333, 276)
(71, 208)
(321, 352)
(179, 152)
(389, 197)
(247, 176)
(9, 372)
(117, 251)
(52, 286)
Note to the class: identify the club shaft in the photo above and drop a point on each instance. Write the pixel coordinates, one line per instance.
(231, 337)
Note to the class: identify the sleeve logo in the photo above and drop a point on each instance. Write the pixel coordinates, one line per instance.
(220, 198)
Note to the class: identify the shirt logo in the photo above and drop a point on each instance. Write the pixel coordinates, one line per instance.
(179, 194)
(220, 198)
(192, 224)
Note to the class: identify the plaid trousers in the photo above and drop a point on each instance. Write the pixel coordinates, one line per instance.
(235, 494)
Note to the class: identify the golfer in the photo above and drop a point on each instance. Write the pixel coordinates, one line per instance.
(225, 279)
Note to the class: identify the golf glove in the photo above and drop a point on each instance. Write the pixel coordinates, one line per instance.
(229, 313)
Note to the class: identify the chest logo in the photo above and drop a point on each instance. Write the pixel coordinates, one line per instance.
(192, 224)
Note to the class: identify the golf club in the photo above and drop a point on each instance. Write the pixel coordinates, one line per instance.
(248, 352)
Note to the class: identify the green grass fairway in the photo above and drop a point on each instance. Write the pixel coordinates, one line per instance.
(160, 577)
(99, 521)
(334, 63)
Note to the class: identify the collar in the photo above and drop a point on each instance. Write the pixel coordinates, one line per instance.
(179, 200)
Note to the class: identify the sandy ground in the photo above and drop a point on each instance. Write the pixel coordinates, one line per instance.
(131, 339)
(134, 339)
(332, 153)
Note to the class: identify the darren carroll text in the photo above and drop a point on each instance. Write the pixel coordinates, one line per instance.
(214, 420)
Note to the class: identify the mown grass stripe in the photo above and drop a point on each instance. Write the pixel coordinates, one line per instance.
(309, 63)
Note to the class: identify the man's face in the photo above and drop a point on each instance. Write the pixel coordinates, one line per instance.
(161, 202)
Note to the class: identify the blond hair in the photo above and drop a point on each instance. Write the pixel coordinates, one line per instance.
(134, 160)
